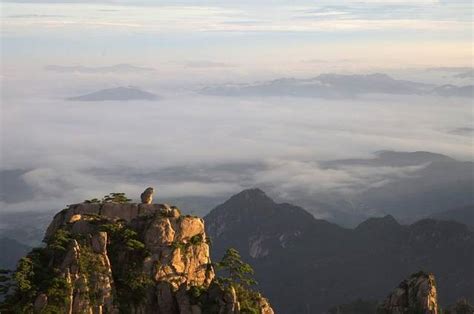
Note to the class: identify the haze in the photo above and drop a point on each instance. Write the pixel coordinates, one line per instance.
(205, 135)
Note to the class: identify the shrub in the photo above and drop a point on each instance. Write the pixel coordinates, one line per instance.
(236, 271)
(238, 274)
(114, 197)
(130, 282)
(60, 240)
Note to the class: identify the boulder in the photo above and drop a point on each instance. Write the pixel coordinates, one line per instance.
(189, 227)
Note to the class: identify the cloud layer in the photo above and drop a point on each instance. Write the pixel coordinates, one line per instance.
(192, 145)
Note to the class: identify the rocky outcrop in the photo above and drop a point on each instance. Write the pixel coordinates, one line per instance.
(417, 294)
(147, 195)
(128, 258)
(127, 212)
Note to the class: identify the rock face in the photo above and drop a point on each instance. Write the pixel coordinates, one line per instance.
(417, 294)
(147, 196)
(126, 258)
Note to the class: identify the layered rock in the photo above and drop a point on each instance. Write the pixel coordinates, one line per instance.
(416, 294)
(127, 258)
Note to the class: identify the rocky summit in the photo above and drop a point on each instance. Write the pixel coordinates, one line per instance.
(416, 294)
(107, 257)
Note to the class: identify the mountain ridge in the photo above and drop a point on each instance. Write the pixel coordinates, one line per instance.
(338, 86)
(116, 94)
(351, 263)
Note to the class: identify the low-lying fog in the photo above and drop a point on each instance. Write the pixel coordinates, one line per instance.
(191, 146)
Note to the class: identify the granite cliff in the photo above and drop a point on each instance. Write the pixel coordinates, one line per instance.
(113, 257)
(417, 294)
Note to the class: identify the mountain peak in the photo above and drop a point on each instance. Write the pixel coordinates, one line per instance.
(256, 225)
(121, 93)
(385, 222)
(247, 203)
(252, 194)
(254, 204)
(416, 156)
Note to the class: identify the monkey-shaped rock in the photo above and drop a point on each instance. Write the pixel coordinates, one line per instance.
(147, 195)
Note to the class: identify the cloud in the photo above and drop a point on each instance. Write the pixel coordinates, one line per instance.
(207, 64)
(34, 16)
(464, 131)
(192, 145)
(469, 74)
(118, 68)
(221, 2)
(455, 91)
(290, 178)
(218, 16)
(449, 69)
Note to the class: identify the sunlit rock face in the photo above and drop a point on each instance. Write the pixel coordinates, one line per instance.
(416, 294)
(177, 253)
(130, 258)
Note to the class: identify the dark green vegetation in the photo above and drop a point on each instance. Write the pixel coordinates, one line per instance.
(6, 282)
(233, 276)
(233, 272)
(127, 252)
(73, 262)
(195, 240)
(462, 306)
(321, 265)
(357, 307)
(113, 197)
(39, 272)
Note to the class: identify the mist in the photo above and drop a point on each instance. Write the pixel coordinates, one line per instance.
(193, 145)
(188, 144)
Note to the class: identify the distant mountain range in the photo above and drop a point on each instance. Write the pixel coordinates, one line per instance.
(11, 251)
(26, 227)
(407, 185)
(319, 264)
(117, 94)
(335, 86)
(435, 183)
(455, 91)
(469, 74)
(463, 215)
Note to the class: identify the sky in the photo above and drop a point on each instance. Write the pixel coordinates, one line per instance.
(192, 144)
(264, 34)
